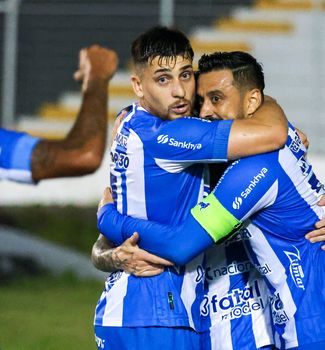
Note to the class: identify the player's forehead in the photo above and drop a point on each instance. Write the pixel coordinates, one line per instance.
(169, 63)
(218, 80)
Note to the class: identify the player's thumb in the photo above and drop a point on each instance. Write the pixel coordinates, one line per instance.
(78, 75)
(133, 240)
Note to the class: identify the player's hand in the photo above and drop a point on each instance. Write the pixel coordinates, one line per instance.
(303, 138)
(95, 63)
(130, 258)
(318, 235)
(117, 123)
(106, 198)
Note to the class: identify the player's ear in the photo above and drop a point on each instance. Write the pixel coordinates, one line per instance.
(137, 86)
(253, 101)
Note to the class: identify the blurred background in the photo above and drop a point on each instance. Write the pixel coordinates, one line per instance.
(39, 49)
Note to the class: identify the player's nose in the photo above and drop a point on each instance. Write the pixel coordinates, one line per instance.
(206, 111)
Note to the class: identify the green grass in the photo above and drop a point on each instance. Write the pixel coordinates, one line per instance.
(48, 314)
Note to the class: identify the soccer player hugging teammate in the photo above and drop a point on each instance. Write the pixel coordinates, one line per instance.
(274, 197)
(157, 174)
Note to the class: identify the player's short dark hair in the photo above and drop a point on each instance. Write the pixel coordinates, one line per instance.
(247, 72)
(165, 43)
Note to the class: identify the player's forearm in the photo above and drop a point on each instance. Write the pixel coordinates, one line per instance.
(178, 244)
(110, 223)
(102, 255)
(266, 131)
(82, 150)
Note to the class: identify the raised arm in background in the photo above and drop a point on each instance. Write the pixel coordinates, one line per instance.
(82, 150)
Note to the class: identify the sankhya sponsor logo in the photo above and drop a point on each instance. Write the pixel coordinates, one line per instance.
(235, 304)
(165, 139)
(162, 138)
(295, 267)
(238, 201)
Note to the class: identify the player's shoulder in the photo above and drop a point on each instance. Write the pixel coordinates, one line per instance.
(265, 165)
(141, 121)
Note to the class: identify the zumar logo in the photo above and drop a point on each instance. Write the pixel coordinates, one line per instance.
(236, 204)
(296, 271)
(179, 144)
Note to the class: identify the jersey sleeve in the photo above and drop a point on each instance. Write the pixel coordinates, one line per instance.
(15, 157)
(179, 244)
(248, 185)
(189, 140)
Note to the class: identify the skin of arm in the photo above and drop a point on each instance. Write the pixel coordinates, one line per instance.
(82, 150)
(318, 235)
(266, 131)
(128, 257)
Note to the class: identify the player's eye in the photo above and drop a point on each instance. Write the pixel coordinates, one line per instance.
(162, 80)
(215, 99)
(187, 75)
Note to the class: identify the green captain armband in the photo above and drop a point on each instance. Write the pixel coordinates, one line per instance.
(215, 219)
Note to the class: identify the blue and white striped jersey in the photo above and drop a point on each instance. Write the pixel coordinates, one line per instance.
(15, 155)
(155, 175)
(236, 302)
(279, 192)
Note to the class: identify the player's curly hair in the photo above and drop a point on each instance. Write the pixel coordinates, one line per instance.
(247, 72)
(162, 42)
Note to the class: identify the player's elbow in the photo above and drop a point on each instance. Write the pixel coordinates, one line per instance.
(89, 161)
(280, 136)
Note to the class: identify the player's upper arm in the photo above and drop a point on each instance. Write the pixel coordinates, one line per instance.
(16, 155)
(190, 140)
(266, 131)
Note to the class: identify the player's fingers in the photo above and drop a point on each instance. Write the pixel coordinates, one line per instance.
(153, 259)
(316, 235)
(149, 271)
(319, 238)
(321, 203)
(133, 240)
(106, 198)
(320, 224)
(78, 75)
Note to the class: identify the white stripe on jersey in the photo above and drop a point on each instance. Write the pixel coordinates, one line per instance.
(16, 175)
(268, 199)
(266, 255)
(170, 167)
(261, 319)
(119, 190)
(191, 278)
(220, 331)
(135, 182)
(289, 164)
(113, 315)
